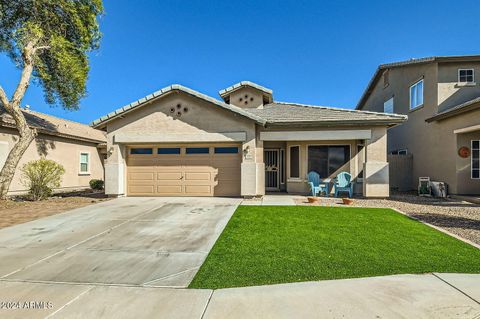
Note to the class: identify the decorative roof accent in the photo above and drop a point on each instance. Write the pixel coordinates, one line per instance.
(282, 113)
(378, 73)
(456, 110)
(223, 93)
(166, 90)
(51, 125)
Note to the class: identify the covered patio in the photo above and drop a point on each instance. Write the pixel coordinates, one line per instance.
(290, 155)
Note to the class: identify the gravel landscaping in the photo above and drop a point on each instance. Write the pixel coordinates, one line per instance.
(459, 217)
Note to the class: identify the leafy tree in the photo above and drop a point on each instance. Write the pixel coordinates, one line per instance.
(49, 41)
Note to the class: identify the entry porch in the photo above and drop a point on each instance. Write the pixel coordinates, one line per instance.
(290, 155)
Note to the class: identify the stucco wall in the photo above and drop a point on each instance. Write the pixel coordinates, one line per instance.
(247, 97)
(64, 151)
(201, 117)
(433, 145)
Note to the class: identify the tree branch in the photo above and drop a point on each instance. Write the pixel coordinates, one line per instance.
(28, 54)
(44, 47)
(3, 97)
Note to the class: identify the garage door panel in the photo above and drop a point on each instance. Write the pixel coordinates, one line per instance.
(169, 189)
(141, 190)
(198, 189)
(141, 176)
(228, 174)
(169, 176)
(227, 189)
(198, 176)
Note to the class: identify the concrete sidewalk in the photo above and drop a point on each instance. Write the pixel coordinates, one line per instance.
(399, 296)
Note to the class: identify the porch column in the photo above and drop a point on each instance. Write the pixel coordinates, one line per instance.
(252, 167)
(115, 169)
(375, 167)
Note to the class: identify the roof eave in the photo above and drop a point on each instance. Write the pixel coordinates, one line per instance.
(53, 133)
(337, 123)
(448, 114)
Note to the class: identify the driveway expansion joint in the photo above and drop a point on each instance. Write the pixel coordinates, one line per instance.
(456, 288)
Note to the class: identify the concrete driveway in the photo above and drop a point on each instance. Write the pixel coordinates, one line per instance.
(153, 242)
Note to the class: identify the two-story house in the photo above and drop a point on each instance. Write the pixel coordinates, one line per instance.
(441, 96)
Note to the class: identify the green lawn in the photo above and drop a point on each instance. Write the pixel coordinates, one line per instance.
(266, 245)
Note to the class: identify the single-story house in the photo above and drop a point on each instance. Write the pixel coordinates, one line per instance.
(179, 142)
(78, 147)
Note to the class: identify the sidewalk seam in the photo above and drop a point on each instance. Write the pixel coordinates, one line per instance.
(465, 294)
(68, 303)
(207, 304)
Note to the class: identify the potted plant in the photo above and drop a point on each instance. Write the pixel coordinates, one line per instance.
(313, 199)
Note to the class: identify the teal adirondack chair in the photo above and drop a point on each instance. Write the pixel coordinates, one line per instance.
(343, 183)
(314, 182)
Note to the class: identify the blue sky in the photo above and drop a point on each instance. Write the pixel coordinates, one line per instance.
(314, 52)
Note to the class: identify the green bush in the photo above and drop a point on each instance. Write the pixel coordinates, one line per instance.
(41, 176)
(96, 184)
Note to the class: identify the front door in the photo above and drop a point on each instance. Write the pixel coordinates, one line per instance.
(271, 169)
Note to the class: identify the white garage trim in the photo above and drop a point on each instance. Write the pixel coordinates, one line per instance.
(179, 137)
(316, 135)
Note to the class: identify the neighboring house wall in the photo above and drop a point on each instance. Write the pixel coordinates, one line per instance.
(433, 145)
(202, 118)
(63, 151)
(450, 92)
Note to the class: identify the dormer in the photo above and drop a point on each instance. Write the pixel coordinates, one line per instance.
(247, 94)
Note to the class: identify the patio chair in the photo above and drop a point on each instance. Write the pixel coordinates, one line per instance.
(316, 185)
(343, 183)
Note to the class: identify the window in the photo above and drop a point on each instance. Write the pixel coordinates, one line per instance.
(360, 157)
(388, 106)
(399, 152)
(326, 160)
(141, 151)
(197, 150)
(295, 161)
(226, 150)
(84, 163)
(168, 150)
(466, 76)
(476, 159)
(282, 166)
(416, 95)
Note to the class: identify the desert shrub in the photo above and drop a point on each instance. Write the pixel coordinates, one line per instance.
(96, 184)
(41, 176)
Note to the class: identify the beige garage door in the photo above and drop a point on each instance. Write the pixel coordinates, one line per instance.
(184, 170)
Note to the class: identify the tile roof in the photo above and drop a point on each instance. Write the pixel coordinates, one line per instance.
(273, 113)
(244, 83)
(169, 89)
(456, 110)
(294, 113)
(378, 73)
(52, 125)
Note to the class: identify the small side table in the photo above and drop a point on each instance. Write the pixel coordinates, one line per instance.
(325, 184)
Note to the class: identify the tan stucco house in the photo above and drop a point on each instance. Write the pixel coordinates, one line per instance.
(179, 142)
(79, 148)
(441, 96)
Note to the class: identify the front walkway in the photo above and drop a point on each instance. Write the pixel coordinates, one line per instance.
(400, 296)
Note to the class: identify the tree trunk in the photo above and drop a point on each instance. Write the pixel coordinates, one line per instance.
(8, 170)
(27, 135)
